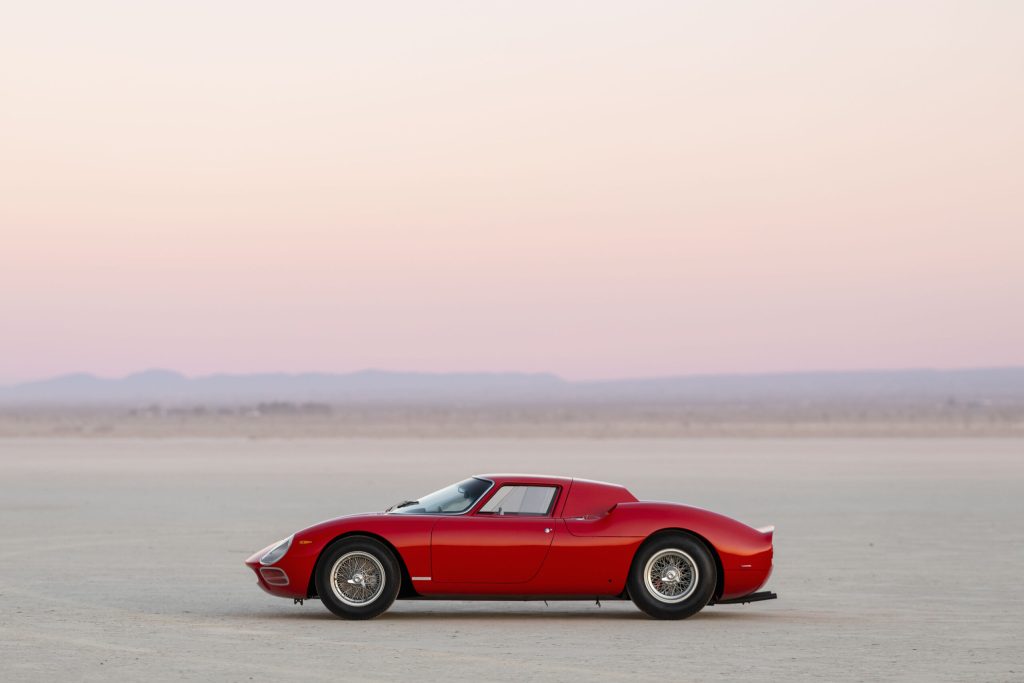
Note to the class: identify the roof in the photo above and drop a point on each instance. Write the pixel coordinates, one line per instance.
(552, 479)
(504, 478)
(585, 496)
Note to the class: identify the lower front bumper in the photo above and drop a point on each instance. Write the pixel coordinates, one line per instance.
(276, 580)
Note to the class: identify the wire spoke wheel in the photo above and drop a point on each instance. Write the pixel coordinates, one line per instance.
(357, 578)
(671, 575)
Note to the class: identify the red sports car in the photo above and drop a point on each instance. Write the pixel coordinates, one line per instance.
(523, 537)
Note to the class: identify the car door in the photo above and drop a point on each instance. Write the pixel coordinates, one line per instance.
(504, 542)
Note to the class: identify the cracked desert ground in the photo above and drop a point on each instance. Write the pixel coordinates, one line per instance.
(121, 559)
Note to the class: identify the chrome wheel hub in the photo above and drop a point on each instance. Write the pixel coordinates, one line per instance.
(671, 575)
(357, 578)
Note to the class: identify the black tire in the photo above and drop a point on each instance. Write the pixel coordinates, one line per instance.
(367, 557)
(669, 595)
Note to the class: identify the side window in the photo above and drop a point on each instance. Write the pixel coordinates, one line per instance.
(521, 500)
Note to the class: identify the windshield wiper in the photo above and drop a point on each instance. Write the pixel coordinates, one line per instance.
(403, 504)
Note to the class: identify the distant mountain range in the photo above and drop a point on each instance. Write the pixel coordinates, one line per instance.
(376, 386)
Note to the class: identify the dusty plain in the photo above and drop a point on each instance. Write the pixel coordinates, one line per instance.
(121, 559)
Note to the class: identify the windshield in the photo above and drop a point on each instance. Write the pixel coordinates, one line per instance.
(450, 500)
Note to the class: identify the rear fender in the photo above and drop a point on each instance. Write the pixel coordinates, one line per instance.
(719, 572)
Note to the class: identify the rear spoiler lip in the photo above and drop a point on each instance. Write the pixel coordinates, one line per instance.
(752, 597)
(768, 531)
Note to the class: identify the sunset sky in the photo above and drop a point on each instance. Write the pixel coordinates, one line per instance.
(589, 188)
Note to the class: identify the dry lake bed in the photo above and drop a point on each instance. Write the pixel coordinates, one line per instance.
(122, 560)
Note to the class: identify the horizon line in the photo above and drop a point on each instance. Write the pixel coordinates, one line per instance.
(521, 373)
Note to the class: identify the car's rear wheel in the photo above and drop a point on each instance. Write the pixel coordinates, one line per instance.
(673, 576)
(358, 577)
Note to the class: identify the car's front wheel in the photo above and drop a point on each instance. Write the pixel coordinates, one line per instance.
(358, 578)
(673, 576)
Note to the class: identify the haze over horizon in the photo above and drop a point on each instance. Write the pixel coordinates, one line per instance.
(171, 372)
(602, 191)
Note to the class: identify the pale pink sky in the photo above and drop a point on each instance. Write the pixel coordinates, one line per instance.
(594, 189)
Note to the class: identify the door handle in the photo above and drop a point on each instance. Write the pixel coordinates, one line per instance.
(547, 530)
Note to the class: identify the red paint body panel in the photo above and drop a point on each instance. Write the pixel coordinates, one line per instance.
(745, 553)
(594, 566)
(487, 549)
(594, 498)
(407, 534)
(584, 548)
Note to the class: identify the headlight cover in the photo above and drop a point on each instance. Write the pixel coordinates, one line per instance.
(277, 552)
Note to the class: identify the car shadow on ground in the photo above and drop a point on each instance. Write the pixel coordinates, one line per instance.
(318, 613)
